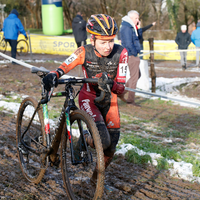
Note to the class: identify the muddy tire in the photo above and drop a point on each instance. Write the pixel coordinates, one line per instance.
(32, 166)
(76, 177)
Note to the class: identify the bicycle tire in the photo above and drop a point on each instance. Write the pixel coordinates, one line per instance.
(33, 168)
(22, 47)
(76, 178)
(3, 45)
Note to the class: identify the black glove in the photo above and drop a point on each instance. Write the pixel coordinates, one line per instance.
(102, 82)
(26, 37)
(49, 81)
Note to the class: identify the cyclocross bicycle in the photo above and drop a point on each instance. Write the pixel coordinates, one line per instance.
(22, 46)
(37, 147)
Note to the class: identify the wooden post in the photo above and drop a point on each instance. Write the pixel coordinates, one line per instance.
(152, 69)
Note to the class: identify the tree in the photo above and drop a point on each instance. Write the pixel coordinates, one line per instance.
(173, 8)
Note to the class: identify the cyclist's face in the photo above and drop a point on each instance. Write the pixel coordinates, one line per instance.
(104, 47)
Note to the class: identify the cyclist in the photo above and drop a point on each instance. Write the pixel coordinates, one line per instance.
(102, 55)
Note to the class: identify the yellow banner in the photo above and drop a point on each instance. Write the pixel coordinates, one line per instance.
(66, 45)
(168, 45)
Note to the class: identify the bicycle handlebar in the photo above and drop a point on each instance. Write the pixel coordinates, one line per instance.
(44, 72)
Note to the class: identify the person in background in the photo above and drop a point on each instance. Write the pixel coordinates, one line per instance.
(79, 29)
(142, 39)
(195, 37)
(183, 39)
(130, 35)
(12, 26)
(102, 55)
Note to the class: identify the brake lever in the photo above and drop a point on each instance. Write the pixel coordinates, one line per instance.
(47, 97)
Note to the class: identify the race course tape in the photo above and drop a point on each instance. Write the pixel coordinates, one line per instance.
(66, 45)
(162, 96)
(130, 89)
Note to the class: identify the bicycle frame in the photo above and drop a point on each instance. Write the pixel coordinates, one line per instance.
(53, 145)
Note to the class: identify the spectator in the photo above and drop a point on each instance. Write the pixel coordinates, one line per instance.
(12, 26)
(79, 29)
(142, 39)
(183, 40)
(130, 36)
(195, 37)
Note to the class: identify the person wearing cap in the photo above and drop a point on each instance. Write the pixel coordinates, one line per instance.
(183, 39)
(12, 26)
(195, 37)
(102, 55)
(130, 36)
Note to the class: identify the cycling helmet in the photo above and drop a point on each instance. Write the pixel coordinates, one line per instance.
(102, 26)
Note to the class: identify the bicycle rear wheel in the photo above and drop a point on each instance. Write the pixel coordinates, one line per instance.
(22, 47)
(3, 46)
(31, 163)
(76, 177)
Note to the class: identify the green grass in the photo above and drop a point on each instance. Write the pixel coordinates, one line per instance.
(148, 145)
(175, 150)
(163, 164)
(134, 157)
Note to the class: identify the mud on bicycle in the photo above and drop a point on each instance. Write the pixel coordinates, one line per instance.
(37, 148)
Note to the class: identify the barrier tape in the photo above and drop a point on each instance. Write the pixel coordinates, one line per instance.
(17, 61)
(167, 51)
(146, 52)
(129, 89)
(162, 96)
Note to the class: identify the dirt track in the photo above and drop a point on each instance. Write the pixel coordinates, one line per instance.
(127, 180)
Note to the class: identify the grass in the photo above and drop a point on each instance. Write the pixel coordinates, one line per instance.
(134, 157)
(163, 164)
(162, 120)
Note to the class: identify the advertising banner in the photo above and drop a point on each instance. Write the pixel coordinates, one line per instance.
(66, 45)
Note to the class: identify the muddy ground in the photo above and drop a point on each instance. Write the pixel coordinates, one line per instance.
(127, 180)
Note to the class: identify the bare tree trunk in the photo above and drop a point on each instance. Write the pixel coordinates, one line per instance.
(28, 6)
(103, 6)
(67, 11)
(24, 22)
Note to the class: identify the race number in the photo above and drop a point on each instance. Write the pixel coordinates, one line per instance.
(70, 59)
(122, 69)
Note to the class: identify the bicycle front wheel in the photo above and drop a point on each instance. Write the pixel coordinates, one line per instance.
(3, 46)
(31, 135)
(22, 47)
(76, 177)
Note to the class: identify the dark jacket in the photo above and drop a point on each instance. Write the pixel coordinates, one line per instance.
(143, 30)
(79, 28)
(129, 37)
(183, 40)
(12, 26)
